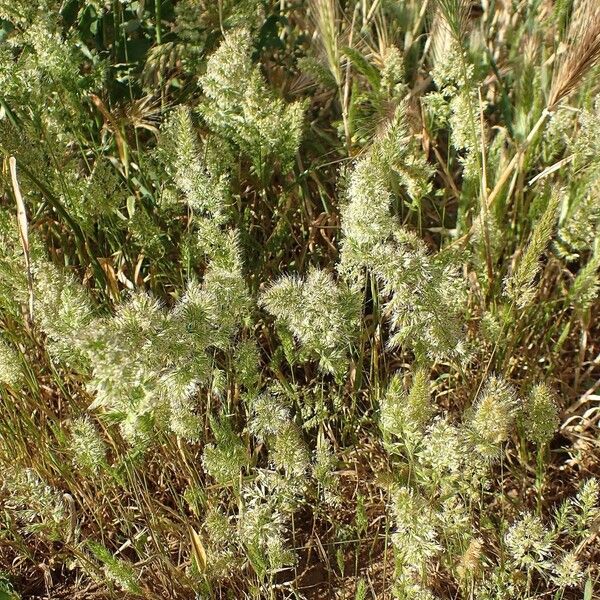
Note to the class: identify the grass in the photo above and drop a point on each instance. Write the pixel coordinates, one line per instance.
(299, 299)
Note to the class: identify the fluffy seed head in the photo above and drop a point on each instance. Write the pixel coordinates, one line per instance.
(540, 418)
(493, 414)
(528, 542)
(89, 451)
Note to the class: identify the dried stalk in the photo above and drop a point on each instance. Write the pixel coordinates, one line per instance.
(23, 230)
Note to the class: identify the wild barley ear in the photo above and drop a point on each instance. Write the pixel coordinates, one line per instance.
(470, 562)
(455, 17)
(581, 54)
(328, 25)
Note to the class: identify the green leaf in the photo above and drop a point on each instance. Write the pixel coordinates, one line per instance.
(587, 592)
(363, 66)
(131, 206)
(198, 551)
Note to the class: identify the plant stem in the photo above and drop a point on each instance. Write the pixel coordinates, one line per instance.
(157, 17)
